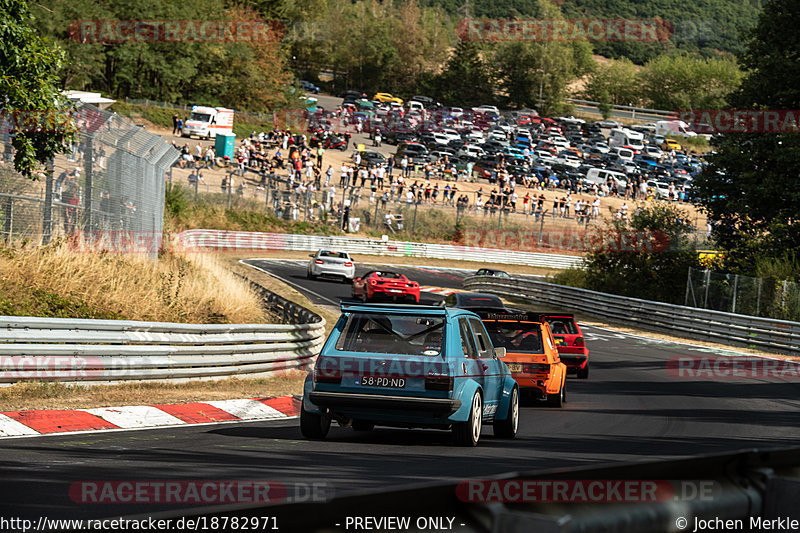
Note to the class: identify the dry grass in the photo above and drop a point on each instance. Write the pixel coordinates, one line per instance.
(196, 289)
(24, 396)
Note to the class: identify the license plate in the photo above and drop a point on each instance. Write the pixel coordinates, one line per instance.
(386, 382)
(515, 367)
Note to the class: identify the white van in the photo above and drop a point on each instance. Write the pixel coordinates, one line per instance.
(674, 127)
(601, 175)
(206, 122)
(626, 137)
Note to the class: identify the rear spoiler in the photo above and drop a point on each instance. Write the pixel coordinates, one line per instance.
(544, 316)
(393, 309)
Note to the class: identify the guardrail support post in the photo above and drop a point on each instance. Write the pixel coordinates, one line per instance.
(735, 288)
(8, 212)
(708, 283)
(47, 215)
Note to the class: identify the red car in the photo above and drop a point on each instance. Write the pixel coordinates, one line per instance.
(572, 349)
(388, 284)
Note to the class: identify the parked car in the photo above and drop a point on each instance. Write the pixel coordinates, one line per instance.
(329, 263)
(532, 355)
(386, 97)
(309, 87)
(410, 366)
(416, 152)
(570, 343)
(386, 284)
(371, 158)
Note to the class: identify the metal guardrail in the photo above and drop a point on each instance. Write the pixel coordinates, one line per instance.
(717, 326)
(251, 241)
(630, 109)
(81, 350)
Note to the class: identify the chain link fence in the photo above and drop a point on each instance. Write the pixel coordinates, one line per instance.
(110, 183)
(744, 295)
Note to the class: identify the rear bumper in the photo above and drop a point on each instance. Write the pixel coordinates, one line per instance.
(380, 291)
(346, 400)
(574, 362)
(330, 270)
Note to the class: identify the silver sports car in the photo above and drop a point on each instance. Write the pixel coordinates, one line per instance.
(328, 263)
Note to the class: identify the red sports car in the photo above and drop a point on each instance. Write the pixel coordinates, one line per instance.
(572, 349)
(393, 285)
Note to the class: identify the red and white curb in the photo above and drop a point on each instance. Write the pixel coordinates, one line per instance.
(438, 290)
(50, 422)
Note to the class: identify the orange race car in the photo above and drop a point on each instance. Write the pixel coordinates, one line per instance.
(531, 354)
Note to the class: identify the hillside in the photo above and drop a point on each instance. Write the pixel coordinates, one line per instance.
(704, 26)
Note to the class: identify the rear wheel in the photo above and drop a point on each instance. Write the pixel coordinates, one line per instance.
(584, 373)
(469, 433)
(558, 399)
(309, 275)
(314, 425)
(507, 429)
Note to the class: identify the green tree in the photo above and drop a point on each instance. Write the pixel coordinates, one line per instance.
(614, 83)
(657, 265)
(750, 188)
(29, 88)
(466, 78)
(682, 81)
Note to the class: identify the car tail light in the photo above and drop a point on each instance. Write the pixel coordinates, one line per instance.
(327, 375)
(578, 341)
(534, 368)
(373, 282)
(348, 264)
(438, 382)
(319, 261)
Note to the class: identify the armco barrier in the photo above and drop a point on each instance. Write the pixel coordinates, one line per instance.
(79, 350)
(725, 328)
(202, 239)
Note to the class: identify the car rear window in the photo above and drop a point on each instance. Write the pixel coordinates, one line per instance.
(562, 326)
(476, 301)
(392, 334)
(394, 275)
(340, 255)
(515, 336)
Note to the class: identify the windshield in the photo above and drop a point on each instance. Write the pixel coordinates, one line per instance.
(515, 336)
(562, 325)
(200, 117)
(392, 334)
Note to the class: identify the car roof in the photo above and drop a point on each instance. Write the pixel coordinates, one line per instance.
(404, 309)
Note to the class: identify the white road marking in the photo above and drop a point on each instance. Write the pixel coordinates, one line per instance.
(247, 409)
(136, 416)
(11, 428)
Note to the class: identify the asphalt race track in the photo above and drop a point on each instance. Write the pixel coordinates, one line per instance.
(630, 409)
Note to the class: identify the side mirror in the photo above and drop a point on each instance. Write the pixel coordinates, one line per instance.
(500, 352)
(311, 255)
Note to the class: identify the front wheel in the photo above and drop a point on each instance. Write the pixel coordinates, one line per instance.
(313, 425)
(507, 429)
(469, 433)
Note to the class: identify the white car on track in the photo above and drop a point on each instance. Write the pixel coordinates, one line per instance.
(332, 264)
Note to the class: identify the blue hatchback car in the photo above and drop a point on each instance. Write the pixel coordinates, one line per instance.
(410, 366)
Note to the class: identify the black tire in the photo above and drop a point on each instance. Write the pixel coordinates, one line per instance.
(309, 275)
(314, 426)
(469, 433)
(558, 399)
(363, 425)
(584, 374)
(507, 429)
